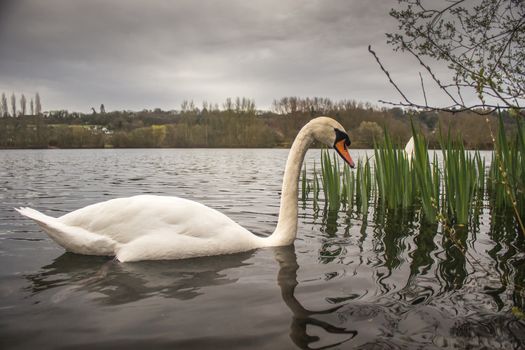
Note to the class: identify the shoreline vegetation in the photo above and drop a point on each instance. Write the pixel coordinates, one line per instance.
(455, 189)
(237, 124)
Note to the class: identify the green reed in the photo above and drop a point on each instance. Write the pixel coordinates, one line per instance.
(363, 185)
(331, 179)
(454, 192)
(506, 179)
(427, 176)
(394, 175)
(463, 177)
(315, 189)
(338, 184)
(305, 186)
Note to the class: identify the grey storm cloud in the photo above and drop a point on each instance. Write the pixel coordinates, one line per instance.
(145, 54)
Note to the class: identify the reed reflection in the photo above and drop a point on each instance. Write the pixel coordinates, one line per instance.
(508, 242)
(391, 229)
(419, 289)
(401, 241)
(331, 248)
(422, 259)
(452, 269)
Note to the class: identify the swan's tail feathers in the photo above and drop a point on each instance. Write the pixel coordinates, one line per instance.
(41, 219)
(73, 238)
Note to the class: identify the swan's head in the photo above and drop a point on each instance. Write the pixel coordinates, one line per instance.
(332, 134)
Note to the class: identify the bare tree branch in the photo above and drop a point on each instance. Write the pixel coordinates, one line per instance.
(483, 42)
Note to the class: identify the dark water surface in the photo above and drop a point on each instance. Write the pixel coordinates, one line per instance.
(378, 282)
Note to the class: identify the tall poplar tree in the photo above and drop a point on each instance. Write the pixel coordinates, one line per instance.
(23, 105)
(13, 105)
(38, 106)
(5, 111)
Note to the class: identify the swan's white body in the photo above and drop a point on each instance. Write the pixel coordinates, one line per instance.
(147, 228)
(150, 227)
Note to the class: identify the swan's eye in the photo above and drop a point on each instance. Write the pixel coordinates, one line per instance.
(340, 135)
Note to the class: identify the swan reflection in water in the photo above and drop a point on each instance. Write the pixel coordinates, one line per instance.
(116, 283)
(113, 283)
(302, 317)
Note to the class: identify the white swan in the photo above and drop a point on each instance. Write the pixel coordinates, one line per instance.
(150, 227)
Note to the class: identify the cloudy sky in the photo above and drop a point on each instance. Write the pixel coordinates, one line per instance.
(134, 54)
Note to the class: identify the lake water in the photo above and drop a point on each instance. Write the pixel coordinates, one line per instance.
(378, 282)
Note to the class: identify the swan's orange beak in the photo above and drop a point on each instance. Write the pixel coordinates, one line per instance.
(340, 147)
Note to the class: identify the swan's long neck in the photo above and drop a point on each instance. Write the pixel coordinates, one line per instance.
(286, 229)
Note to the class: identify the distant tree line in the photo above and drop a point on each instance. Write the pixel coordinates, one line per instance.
(315, 105)
(237, 105)
(235, 123)
(35, 106)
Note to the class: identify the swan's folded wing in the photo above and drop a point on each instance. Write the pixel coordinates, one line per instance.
(127, 219)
